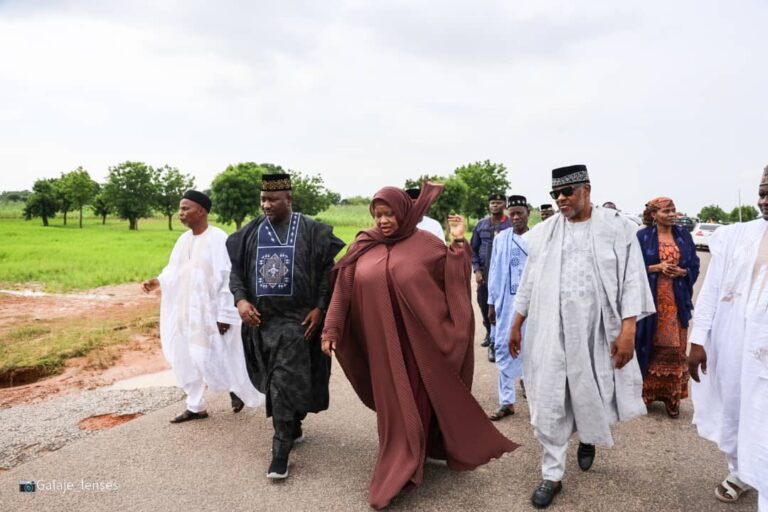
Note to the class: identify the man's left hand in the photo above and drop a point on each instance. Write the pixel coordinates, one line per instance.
(623, 349)
(312, 321)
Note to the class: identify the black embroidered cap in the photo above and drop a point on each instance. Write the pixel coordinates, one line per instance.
(517, 201)
(571, 175)
(199, 198)
(275, 182)
(545, 206)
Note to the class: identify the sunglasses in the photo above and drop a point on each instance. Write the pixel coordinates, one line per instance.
(566, 191)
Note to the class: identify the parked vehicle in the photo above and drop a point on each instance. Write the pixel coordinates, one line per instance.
(701, 232)
(686, 223)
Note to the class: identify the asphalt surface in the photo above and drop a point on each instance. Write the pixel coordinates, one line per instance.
(219, 464)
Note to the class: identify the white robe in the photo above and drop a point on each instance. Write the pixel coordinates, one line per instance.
(730, 404)
(600, 394)
(430, 225)
(508, 259)
(195, 295)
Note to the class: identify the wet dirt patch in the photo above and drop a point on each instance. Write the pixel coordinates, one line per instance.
(105, 421)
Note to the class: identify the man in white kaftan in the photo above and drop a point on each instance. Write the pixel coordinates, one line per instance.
(427, 224)
(508, 257)
(583, 288)
(199, 323)
(729, 340)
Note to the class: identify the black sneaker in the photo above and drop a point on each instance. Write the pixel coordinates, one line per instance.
(544, 494)
(487, 341)
(491, 354)
(298, 435)
(585, 455)
(278, 469)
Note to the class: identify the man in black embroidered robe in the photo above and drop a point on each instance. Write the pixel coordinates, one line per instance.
(280, 266)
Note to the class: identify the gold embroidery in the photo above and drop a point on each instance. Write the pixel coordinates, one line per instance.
(284, 184)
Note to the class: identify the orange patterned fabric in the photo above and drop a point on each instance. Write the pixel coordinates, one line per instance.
(667, 378)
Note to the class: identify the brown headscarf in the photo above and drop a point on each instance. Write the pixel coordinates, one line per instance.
(407, 212)
(655, 205)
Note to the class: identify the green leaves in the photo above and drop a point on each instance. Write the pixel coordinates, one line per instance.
(235, 192)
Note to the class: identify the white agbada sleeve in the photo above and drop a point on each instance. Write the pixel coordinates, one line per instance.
(706, 302)
(527, 280)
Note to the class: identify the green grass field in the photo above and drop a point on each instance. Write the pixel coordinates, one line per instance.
(64, 258)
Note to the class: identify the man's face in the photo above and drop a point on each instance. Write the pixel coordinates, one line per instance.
(496, 207)
(762, 203)
(276, 205)
(518, 216)
(577, 202)
(190, 212)
(545, 214)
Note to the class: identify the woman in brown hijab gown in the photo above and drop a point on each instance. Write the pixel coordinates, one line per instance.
(401, 324)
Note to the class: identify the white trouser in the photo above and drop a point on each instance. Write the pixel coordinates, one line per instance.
(762, 502)
(556, 446)
(733, 463)
(194, 391)
(507, 394)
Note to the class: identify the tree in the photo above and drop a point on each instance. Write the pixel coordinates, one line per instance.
(101, 205)
(452, 200)
(356, 200)
(748, 212)
(15, 196)
(310, 196)
(171, 187)
(77, 189)
(713, 213)
(482, 179)
(235, 192)
(43, 202)
(132, 188)
(62, 198)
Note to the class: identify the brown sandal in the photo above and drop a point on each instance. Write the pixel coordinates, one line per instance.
(502, 412)
(673, 411)
(189, 416)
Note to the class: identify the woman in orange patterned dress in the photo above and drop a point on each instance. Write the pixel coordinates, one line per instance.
(661, 339)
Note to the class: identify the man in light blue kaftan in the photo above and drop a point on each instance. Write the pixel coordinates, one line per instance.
(508, 257)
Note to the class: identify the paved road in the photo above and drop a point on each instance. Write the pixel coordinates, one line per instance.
(219, 464)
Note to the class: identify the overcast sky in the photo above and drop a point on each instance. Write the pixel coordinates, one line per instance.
(655, 97)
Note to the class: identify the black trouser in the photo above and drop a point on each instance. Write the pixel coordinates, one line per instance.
(482, 301)
(285, 433)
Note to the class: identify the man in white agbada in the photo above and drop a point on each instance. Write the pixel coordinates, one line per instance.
(583, 288)
(199, 323)
(508, 257)
(729, 341)
(427, 224)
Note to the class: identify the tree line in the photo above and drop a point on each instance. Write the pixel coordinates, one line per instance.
(136, 190)
(713, 213)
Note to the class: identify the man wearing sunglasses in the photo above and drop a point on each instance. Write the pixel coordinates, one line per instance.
(583, 288)
(482, 245)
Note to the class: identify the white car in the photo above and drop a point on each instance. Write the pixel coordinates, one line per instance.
(701, 232)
